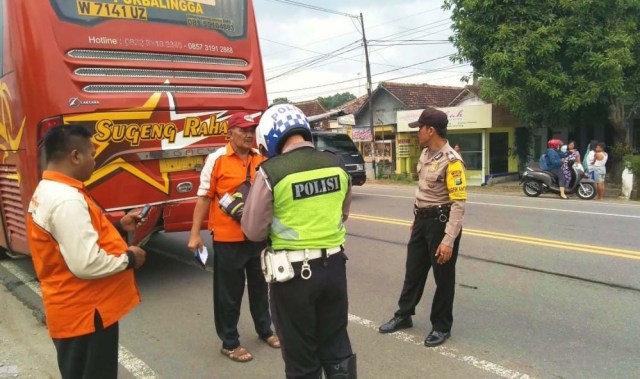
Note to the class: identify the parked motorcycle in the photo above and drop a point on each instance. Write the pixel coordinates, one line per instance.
(536, 181)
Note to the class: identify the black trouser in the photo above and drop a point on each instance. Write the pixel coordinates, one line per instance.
(91, 356)
(311, 317)
(425, 238)
(231, 260)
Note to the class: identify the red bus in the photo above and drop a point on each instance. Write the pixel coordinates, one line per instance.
(155, 79)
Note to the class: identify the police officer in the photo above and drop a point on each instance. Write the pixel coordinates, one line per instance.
(436, 230)
(300, 200)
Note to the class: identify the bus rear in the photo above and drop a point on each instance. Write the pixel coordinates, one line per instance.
(155, 79)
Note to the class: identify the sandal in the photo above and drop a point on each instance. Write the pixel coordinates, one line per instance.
(239, 354)
(272, 341)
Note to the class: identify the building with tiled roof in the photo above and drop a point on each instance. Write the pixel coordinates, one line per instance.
(354, 106)
(420, 96)
(486, 140)
(390, 97)
(313, 108)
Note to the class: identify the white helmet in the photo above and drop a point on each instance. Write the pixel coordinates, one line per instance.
(278, 123)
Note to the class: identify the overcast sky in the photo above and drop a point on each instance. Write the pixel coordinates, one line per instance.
(292, 36)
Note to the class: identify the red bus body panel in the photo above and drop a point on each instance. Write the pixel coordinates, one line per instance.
(155, 116)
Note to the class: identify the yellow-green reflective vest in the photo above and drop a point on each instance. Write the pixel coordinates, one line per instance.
(309, 187)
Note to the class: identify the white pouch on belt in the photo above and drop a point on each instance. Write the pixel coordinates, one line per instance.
(276, 266)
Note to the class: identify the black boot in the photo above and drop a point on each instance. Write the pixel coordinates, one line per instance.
(344, 369)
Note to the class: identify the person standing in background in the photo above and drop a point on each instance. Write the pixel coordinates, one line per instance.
(572, 157)
(235, 259)
(436, 230)
(588, 157)
(600, 158)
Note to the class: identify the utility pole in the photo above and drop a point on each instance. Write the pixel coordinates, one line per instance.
(373, 132)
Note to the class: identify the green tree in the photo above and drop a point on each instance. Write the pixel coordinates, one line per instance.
(548, 61)
(280, 100)
(334, 101)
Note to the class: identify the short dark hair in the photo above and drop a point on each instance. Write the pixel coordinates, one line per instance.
(442, 132)
(63, 139)
(602, 145)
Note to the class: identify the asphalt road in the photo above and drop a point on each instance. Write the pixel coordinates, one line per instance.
(546, 288)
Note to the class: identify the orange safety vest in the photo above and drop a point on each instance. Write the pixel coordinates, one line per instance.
(228, 173)
(70, 302)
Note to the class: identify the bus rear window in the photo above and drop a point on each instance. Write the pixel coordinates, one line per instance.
(339, 142)
(225, 16)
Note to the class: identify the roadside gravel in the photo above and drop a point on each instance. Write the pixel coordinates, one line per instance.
(26, 351)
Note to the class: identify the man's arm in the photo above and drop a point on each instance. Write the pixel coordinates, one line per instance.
(206, 191)
(346, 204)
(78, 240)
(454, 225)
(457, 187)
(258, 209)
(199, 213)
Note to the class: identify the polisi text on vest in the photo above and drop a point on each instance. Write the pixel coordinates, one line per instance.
(315, 187)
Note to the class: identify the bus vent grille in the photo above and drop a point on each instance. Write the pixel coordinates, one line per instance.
(140, 88)
(11, 199)
(154, 57)
(162, 74)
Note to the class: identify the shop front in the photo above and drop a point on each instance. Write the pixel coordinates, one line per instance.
(385, 147)
(484, 137)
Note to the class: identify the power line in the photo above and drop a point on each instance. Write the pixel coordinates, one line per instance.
(376, 74)
(407, 33)
(319, 54)
(339, 90)
(409, 40)
(314, 7)
(333, 37)
(393, 44)
(305, 65)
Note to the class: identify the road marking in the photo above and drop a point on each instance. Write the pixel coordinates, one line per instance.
(447, 352)
(482, 364)
(600, 250)
(554, 209)
(514, 206)
(133, 364)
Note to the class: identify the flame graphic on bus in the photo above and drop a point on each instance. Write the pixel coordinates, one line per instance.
(9, 139)
(140, 113)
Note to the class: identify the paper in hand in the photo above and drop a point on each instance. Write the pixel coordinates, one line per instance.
(201, 256)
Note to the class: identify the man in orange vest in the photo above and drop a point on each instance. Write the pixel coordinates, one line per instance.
(226, 174)
(83, 263)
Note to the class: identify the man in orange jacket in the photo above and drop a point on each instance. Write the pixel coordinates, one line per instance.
(236, 260)
(83, 263)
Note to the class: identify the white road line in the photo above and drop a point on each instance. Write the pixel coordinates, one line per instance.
(555, 210)
(134, 365)
(482, 364)
(514, 206)
(447, 352)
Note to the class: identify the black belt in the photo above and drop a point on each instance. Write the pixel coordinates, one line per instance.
(440, 212)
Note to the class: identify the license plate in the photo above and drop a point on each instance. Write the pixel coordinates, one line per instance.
(90, 8)
(181, 164)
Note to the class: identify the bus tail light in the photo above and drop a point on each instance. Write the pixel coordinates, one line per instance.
(46, 125)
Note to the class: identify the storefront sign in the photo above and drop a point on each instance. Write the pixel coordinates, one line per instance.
(460, 118)
(361, 134)
(347, 120)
